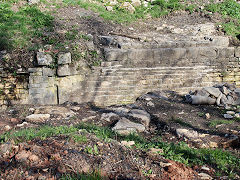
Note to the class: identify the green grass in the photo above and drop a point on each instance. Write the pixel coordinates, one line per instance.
(223, 161)
(228, 9)
(214, 123)
(17, 29)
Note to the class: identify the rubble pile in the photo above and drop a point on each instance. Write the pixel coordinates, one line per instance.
(225, 94)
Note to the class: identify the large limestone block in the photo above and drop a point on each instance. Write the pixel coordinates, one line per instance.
(63, 70)
(44, 59)
(115, 54)
(64, 58)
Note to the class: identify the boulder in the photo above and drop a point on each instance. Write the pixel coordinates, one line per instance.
(213, 91)
(144, 116)
(125, 126)
(37, 118)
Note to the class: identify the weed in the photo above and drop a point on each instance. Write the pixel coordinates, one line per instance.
(90, 150)
(228, 8)
(214, 123)
(201, 114)
(147, 172)
(79, 138)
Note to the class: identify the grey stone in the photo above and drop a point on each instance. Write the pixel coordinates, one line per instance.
(202, 100)
(202, 92)
(204, 176)
(109, 8)
(108, 116)
(63, 112)
(144, 116)
(125, 126)
(48, 72)
(115, 54)
(237, 52)
(225, 90)
(37, 118)
(136, 3)
(190, 134)
(230, 100)
(63, 70)
(34, 70)
(218, 101)
(230, 112)
(224, 99)
(107, 40)
(213, 91)
(64, 58)
(30, 2)
(227, 116)
(90, 45)
(226, 52)
(44, 59)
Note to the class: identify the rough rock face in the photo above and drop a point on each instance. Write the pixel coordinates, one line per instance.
(125, 126)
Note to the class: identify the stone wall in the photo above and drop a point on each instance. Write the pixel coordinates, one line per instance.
(126, 74)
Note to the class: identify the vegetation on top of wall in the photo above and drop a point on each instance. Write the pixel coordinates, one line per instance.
(230, 10)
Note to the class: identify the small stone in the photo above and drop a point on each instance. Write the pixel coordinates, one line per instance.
(207, 116)
(30, 2)
(150, 103)
(75, 108)
(64, 58)
(7, 128)
(128, 6)
(227, 116)
(37, 118)
(230, 112)
(143, 115)
(204, 176)
(127, 143)
(162, 164)
(109, 8)
(213, 145)
(155, 150)
(31, 110)
(23, 124)
(205, 168)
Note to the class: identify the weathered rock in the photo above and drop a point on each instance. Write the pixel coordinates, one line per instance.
(136, 3)
(128, 6)
(127, 143)
(204, 176)
(63, 70)
(190, 134)
(44, 59)
(142, 115)
(109, 8)
(227, 116)
(109, 116)
(30, 2)
(37, 118)
(125, 126)
(230, 112)
(55, 110)
(202, 100)
(213, 91)
(225, 90)
(202, 92)
(48, 72)
(207, 116)
(64, 58)
(7, 128)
